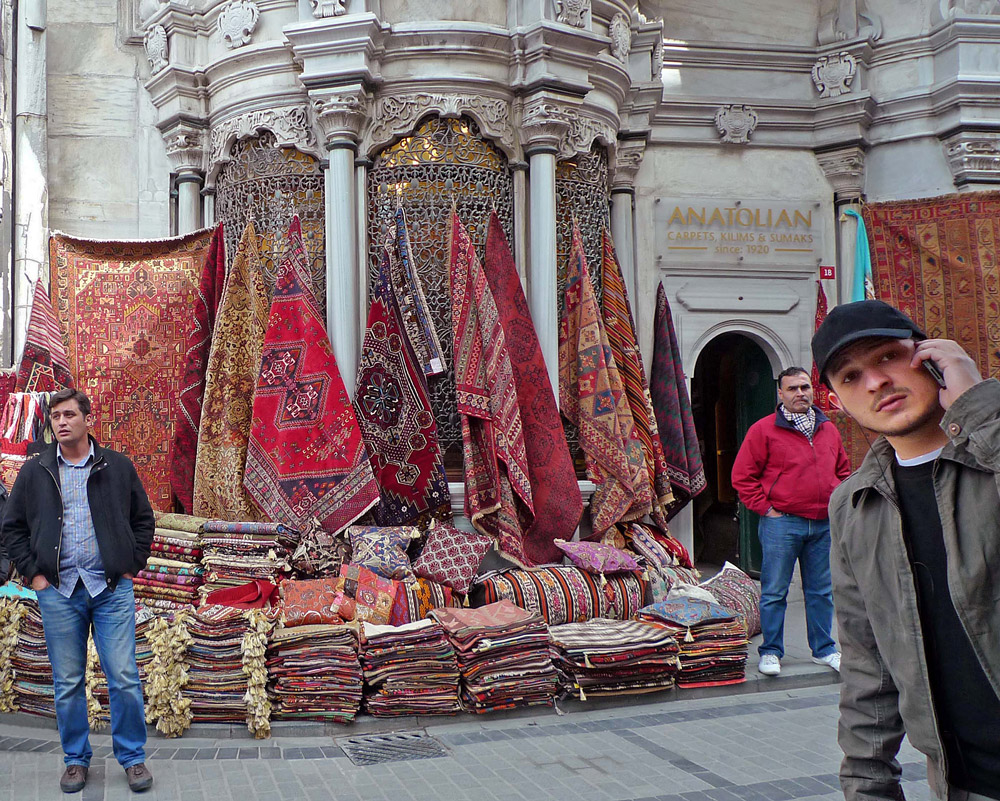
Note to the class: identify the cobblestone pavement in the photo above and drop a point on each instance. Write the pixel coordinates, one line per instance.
(763, 746)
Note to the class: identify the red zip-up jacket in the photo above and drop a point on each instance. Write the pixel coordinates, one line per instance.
(779, 467)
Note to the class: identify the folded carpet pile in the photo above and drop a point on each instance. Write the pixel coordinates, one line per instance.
(236, 553)
(32, 670)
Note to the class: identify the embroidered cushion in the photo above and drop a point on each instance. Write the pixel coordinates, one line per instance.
(451, 557)
(311, 602)
(382, 549)
(415, 601)
(733, 589)
(687, 612)
(651, 538)
(597, 557)
(373, 595)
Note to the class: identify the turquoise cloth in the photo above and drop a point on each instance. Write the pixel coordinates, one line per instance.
(14, 590)
(863, 287)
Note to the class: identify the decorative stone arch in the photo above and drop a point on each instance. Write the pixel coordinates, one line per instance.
(777, 352)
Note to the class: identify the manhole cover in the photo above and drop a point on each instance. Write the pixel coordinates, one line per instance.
(396, 747)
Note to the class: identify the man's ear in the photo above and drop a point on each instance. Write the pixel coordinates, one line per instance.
(834, 400)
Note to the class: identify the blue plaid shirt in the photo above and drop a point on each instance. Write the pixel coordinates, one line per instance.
(80, 556)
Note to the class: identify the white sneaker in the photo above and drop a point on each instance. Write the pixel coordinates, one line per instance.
(770, 665)
(830, 660)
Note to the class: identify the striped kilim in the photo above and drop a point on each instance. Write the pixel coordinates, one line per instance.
(592, 397)
(498, 497)
(620, 326)
(44, 366)
(820, 391)
(230, 377)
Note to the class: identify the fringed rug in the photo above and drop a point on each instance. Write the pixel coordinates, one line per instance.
(44, 366)
(128, 308)
(230, 377)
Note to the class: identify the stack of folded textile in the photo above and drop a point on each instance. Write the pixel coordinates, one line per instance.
(237, 553)
(32, 669)
(409, 670)
(314, 673)
(217, 685)
(613, 657)
(173, 572)
(503, 656)
(712, 640)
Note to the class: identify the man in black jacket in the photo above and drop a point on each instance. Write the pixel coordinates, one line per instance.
(78, 526)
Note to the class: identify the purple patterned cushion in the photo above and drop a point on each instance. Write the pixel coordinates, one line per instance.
(597, 557)
(735, 590)
(382, 549)
(451, 556)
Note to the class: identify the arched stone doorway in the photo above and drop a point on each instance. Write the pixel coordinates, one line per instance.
(733, 387)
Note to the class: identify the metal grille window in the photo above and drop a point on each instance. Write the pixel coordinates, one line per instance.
(443, 161)
(582, 189)
(268, 185)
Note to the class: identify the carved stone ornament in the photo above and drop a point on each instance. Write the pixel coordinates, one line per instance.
(845, 170)
(396, 115)
(969, 8)
(184, 149)
(658, 60)
(155, 42)
(833, 74)
(342, 115)
(974, 157)
(620, 31)
(628, 159)
(736, 122)
(290, 125)
(848, 21)
(583, 131)
(238, 21)
(572, 12)
(327, 8)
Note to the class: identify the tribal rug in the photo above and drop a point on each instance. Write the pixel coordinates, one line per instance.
(183, 452)
(592, 397)
(306, 461)
(620, 326)
(498, 497)
(44, 366)
(673, 410)
(554, 489)
(128, 308)
(230, 377)
(937, 260)
(394, 412)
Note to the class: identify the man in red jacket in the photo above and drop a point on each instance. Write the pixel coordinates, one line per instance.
(787, 468)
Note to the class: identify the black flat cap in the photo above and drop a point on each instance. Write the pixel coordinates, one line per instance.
(853, 321)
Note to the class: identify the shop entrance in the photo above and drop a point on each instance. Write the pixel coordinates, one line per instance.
(733, 387)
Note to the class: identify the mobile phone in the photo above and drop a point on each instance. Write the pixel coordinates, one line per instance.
(934, 370)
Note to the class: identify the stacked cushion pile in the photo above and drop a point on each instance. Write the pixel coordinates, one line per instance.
(173, 572)
(216, 685)
(236, 553)
(32, 669)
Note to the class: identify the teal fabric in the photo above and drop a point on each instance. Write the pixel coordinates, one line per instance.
(862, 260)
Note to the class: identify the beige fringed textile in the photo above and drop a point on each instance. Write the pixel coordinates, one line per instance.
(11, 611)
(254, 650)
(94, 712)
(168, 676)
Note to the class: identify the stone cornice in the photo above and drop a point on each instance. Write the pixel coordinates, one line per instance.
(338, 50)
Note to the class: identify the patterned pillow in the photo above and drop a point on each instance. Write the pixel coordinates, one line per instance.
(686, 612)
(597, 557)
(383, 549)
(373, 595)
(649, 548)
(451, 557)
(735, 590)
(415, 601)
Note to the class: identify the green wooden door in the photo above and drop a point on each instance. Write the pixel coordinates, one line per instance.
(756, 397)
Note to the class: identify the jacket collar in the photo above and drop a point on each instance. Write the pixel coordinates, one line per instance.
(48, 457)
(783, 422)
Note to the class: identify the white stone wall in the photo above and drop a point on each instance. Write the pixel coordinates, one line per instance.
(760, 21)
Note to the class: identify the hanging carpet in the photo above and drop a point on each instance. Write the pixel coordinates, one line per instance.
(554, 489)
(673, 410)
(44, 366)
(230, 377)
(183, 451)
(306, 461)
(128, 308)
(498, 497)
(394, 412)
(620, 327)
(591, 397)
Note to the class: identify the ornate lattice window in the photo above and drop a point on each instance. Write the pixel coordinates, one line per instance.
(269, 185)
(582, 189)
(444, 161)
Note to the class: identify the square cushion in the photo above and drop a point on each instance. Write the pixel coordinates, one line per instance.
(311, 602)
(596, 557)
(733, 589)
(415, 601)
(382, 549)
(451, 557)
(373, 595)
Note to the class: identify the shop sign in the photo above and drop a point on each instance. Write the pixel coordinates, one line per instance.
(827, 272)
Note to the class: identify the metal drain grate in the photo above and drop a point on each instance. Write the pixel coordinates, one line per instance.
(395, 747)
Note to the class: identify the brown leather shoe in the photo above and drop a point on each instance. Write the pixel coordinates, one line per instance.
(74, 779)
(139, 778)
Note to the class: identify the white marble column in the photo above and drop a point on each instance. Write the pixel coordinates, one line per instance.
(622, 231)
(361, 166)
(208, 207)
(188, 202)
(185, 148)
(542, 299)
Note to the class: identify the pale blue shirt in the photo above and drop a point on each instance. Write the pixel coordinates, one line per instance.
(79, 557)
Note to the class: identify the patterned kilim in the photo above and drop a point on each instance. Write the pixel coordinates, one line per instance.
(937, 260)
(673, 410)
(820, 391)
(620, 327)
(183, 452)
(44, 366)
(128, 308)
(306, 461)
(592, 398)
(395, 416)
(498, 497)
(230, 377)
(554, 489)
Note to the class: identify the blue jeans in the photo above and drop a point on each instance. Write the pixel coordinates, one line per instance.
(67, 622)
(784, 540)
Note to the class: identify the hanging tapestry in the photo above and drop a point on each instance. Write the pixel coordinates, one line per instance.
(498, 497)
(673, 410)
(592, 398)
(306, 461)
(937, 261)
(820, 391)
(184, 449)
(554, 489)
(620, 326)
(44, 366)
(230, 377)
(127, 308)
(395, 416)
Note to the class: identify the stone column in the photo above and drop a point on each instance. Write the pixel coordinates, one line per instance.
(627, 161)
(188, 202)
(361, 167)
(845, 170)
(185, 149)
(208, 206)
(341, 115)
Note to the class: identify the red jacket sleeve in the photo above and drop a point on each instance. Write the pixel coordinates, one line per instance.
(843, 469)
(748, 469)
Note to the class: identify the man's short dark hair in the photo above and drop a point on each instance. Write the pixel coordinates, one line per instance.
(64, 395)
(788, 371)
